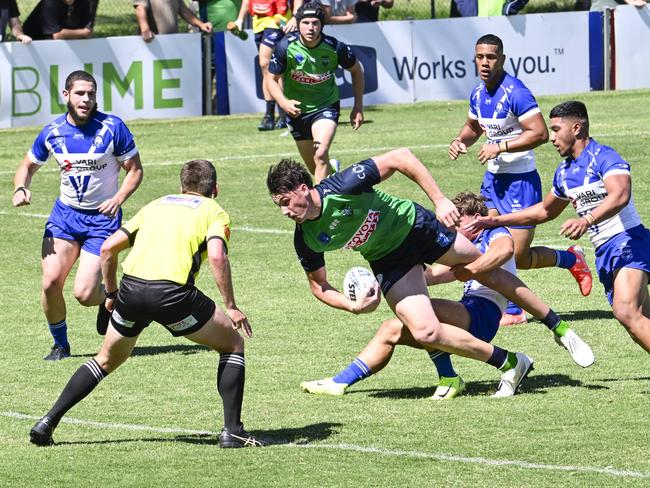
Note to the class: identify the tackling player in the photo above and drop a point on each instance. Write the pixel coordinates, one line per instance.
(506, 111)
(397, 237)
(478, 312)
(170, 237)
(597, 182)
(307, 61)
(89, 147)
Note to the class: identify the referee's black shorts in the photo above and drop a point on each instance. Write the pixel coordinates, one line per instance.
(181, 309)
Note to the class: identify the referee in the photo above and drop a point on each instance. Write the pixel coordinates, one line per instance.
(170, 237)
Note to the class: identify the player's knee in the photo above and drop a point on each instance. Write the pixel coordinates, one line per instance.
(52, 284)
(390, 331)
(233, 344)
(427, 336)
(85, 296)
(627, 315)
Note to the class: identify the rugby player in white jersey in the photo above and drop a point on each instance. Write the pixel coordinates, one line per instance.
(89, 147)
(597, 181)
(506, 111)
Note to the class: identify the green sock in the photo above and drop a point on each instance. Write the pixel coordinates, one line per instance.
(510, 363)
(561, 329)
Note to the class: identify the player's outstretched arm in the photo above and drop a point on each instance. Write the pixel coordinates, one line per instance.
(501, 249)
(329, 295)
(22, 179)
(220, 266)
(132, 180)
(405, 162)
(546, 210)
(356, 116)
(438, 274)
(468, 135)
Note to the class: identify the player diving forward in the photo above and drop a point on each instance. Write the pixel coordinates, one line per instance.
(397, 237)
(478, 312)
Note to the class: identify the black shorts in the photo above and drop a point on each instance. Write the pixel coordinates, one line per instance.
(182, 309)
(301, 126)
(424, 244)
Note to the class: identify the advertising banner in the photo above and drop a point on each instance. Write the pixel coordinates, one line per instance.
(632, 40)
(412, 61)
(134, 79)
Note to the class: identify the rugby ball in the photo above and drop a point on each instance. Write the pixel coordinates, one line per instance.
(357, 282)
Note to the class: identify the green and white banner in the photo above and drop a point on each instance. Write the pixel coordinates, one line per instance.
(160, 79)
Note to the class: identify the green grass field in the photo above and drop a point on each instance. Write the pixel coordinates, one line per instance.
(152, 422)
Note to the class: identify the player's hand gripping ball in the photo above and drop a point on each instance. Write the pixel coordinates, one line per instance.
(357, 282)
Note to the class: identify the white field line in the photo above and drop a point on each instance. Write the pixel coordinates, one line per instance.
(51, 168)
(555, 243)
(609, 470)
(245, 228)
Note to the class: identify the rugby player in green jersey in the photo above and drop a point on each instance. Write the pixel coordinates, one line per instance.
(307, 61)
(397, 237)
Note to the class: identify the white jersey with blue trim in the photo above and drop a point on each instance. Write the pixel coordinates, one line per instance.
(499, 113)
(582, 182)
(475, 289)
(89, 157)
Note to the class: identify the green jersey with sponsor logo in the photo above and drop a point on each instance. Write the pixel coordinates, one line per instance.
(354, 216)
(309, 73)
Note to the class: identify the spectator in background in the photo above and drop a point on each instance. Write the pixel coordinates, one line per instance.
(272, 19)
(464, 8)
(339, 11)
(219, 12)
(599, 5)
(161, 17)
(368, 10)
(491, 8)
(9, 15)
(60, 19)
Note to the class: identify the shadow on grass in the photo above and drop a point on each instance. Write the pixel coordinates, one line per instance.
(586, 315)
(184, 349)
(299, 435)
(535, 384)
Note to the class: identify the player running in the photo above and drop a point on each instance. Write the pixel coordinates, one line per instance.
(506, 111)
(598, 183)
(90, 147)
(397, 237)
(306, 61)
(478, 312)
(170, 237)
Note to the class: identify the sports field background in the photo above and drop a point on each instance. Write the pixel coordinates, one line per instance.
(149, 423)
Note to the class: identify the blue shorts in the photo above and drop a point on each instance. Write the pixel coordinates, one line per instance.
(629, 249)
(485, 316)
(425, 243)
(512, 192)
(87, 227)
(300, 127)
(269, 37)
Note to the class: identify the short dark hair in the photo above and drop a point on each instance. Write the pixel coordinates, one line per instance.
(79, 75)
(286, 176)
(571, 109)
(492, 40)
(469, 203)
(199, 176)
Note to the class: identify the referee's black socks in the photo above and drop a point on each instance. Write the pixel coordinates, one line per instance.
(82, 382)
(230, 384)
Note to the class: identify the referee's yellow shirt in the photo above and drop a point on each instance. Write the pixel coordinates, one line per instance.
(170, 237)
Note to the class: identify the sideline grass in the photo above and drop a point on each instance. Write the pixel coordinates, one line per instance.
(569, 427)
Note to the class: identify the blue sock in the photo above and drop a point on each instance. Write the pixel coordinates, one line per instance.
(442, 361)
(499, 358)
(513, 309)
(357, 370)
(59, 332)
(564, 259)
